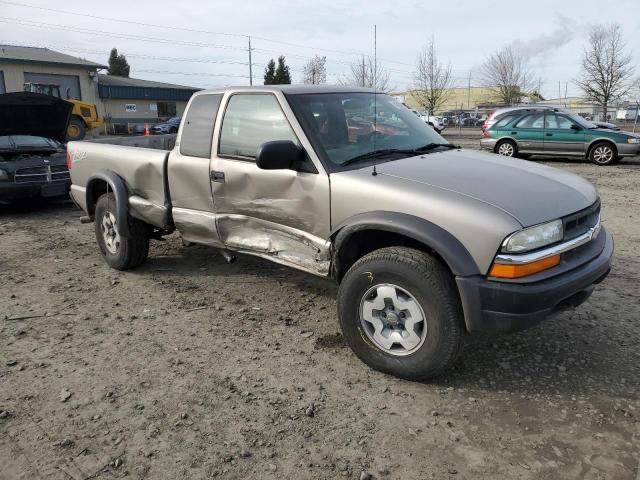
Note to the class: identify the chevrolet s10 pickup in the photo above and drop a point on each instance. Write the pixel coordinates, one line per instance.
(428, 242)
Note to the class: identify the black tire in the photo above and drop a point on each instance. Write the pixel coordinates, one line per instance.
(434, 289)
(501, 143)
(130, 252)
(603, 153)
(76, 130)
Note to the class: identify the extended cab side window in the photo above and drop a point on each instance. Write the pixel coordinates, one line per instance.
(197, 131)
(251, 120)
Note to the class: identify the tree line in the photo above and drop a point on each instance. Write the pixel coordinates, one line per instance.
(606, 73)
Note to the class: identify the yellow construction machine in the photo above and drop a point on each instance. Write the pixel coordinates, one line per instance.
(84, 116)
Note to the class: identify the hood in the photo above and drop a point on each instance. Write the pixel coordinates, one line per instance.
(25, 113)
(529, 192)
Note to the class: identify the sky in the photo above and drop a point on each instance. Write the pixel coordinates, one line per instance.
(205, 43)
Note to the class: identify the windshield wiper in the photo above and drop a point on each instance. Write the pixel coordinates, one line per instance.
(397, 151)
(432, 146)
(379, 154)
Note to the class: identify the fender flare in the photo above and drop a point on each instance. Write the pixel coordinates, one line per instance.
(118, 187)
(593, 142)
(435, 237)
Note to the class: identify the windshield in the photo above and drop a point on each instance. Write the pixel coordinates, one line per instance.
(581, 121)
(341, 126)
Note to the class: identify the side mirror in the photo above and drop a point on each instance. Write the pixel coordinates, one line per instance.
(575, 127)
(279, 155)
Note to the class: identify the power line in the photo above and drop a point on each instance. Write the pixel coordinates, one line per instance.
(143, 38)
(193, 30)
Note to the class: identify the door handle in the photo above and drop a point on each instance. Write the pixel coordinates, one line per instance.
(549, 134)
(217, 177)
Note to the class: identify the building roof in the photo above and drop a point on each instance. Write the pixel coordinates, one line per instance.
(123, 88)
(18, 53)
(112, 80)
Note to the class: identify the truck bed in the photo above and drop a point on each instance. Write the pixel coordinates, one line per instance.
(142, 169)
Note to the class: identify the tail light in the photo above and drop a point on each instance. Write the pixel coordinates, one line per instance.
(485, 133)
(69, 163)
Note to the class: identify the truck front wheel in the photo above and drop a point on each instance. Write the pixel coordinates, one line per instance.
(400, 313)
(121, 253)
(76, 129)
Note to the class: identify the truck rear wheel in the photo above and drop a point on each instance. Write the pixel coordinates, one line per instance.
(400, 313)
(121, 253)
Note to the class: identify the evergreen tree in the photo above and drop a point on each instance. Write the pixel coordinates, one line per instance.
(118, 64)
(282, 75)
(270, 73)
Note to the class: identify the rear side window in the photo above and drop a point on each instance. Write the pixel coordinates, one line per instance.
(251, 120)
(504, 121)
(197, 131)
(532, 121)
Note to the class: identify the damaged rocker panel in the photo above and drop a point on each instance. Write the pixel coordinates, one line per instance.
(277, 242)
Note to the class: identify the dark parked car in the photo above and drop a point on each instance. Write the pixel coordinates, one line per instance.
(33, 161)
(170, 126)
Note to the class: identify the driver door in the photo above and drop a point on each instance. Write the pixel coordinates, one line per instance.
(278, 214)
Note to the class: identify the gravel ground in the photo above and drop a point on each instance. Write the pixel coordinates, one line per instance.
(190, 367)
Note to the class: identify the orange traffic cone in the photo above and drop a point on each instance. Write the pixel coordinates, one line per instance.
(147, 130)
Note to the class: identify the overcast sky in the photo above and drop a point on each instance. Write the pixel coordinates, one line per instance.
(551, 32)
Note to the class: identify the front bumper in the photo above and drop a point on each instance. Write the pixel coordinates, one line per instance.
(10, 191)
(499, 307)
(628, 149)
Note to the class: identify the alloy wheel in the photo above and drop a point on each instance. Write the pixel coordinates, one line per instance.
(392, 319)
(506, 149)
(110, 232)
(603, 154)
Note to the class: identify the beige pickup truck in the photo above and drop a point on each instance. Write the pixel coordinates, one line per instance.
(427, 241)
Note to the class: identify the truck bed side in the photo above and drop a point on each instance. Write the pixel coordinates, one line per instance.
(142, 170)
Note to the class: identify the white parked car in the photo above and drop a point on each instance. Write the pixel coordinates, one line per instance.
(437, 123)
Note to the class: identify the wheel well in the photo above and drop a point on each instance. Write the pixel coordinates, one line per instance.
(504, 140)
(598, 142)
(363, 242)
(96, 189)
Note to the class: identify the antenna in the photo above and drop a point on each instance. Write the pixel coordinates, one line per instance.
(375, 95)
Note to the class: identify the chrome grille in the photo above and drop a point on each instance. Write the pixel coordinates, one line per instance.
(580, 222)
(42, 174)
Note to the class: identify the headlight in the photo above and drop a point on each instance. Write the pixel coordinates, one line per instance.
(633, 140)
(3, 175)
(534, 237)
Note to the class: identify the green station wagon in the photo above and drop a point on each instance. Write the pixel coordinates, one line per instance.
(521, 132)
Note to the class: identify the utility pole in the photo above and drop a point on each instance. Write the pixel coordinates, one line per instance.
(469, 92)
(250, 65)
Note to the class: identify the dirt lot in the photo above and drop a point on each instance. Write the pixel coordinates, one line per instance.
(194, 368)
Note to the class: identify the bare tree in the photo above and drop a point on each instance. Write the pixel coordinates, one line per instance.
(432, 79)
(507, 73)
(606, 68)
(365, 73)
(315, 71)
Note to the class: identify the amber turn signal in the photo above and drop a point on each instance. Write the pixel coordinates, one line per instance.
(501, 270)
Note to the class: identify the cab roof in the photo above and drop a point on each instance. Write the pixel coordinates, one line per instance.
(290, 89)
